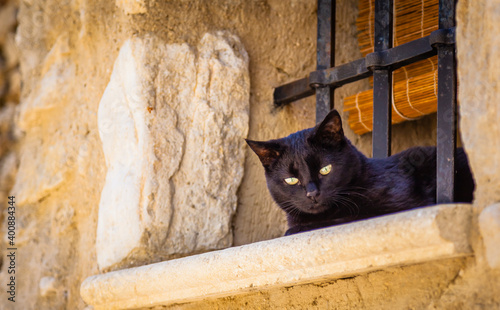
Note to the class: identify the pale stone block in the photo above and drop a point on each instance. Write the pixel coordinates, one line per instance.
(489, 226)
(123, 128)
(411, 237)
(212, 167)
(173, 129)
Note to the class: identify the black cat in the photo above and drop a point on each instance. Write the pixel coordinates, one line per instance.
(320, 179)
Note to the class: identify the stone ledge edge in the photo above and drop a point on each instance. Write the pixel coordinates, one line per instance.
(404, 238)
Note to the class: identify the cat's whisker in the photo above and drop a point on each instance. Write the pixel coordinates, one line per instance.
(290, 208)
(351, 205)
(349, 192)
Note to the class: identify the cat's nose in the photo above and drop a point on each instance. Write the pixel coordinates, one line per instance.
(313, 195)
(312, 191)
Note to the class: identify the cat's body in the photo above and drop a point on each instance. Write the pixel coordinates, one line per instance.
(335, 183)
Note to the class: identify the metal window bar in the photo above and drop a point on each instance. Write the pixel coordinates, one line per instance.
(382, 81)
(380, 64)
(325, 55)
(447, 106)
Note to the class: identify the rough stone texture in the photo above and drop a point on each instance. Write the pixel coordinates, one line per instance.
(489, 226)
(9, 96)
(47, 286)
(132, 6)
(214, 122)
(478, 93)
(123, 121)
(407, 238)
(172, 125)
(61, 163)
(44, 169)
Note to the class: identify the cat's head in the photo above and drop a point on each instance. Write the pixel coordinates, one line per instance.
(308, 171)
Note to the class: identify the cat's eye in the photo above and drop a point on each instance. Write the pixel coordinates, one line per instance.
(291, 181)
(325, 170)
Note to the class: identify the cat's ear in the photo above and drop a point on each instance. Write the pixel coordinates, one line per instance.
(330, 130)
(267, 151)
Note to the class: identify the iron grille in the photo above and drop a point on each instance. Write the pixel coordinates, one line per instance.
(380, 65)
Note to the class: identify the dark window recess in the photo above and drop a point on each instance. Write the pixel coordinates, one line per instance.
(380, 64)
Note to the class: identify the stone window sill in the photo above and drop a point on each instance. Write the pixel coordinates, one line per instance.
(405, 238)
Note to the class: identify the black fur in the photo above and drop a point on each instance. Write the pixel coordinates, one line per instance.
(357, 187)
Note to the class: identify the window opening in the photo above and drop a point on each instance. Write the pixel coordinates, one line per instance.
(380, 64)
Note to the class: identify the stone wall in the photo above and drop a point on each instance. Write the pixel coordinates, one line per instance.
(172, 123)
(127, 145)
(10, 86)
(478, 75)
(10, 83)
